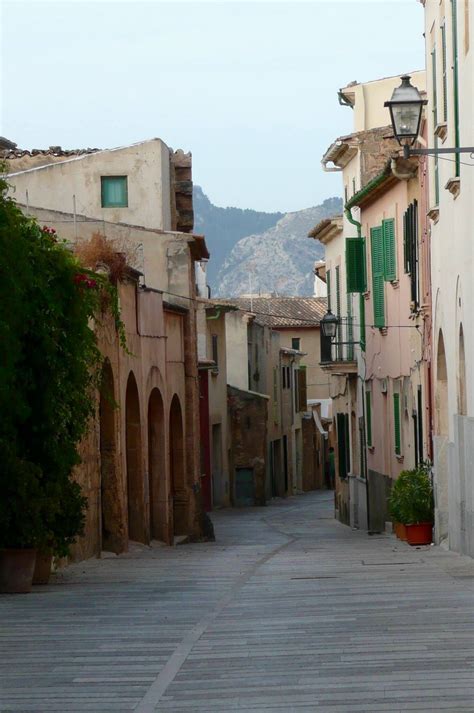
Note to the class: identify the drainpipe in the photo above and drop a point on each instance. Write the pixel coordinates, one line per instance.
(216, 316)
(358, 225)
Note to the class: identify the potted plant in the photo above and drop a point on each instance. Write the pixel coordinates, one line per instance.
(412, 503)
(395, 508)
(21, 523)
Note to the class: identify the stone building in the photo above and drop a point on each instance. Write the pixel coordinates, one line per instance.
(141, 469)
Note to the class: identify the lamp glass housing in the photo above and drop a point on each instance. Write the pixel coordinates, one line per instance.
(329, 324)
(406, 107)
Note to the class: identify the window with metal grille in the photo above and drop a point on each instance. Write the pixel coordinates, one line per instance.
(397, 424)
(411, 251)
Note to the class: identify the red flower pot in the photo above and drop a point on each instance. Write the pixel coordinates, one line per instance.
(420, 534)
(400, 530)
(16, 570)
(42, 571)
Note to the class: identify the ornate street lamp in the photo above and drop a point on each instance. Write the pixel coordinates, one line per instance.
(329, 324)
(406, 108)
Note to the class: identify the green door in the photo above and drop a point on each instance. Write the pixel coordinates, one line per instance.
(244, 487)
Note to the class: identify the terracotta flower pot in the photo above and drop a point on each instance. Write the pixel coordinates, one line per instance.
(420, 534)
(42, 571)
(16, 570)
(400, 530)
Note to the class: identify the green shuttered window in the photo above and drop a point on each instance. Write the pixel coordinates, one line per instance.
(435, 108)
(368, 417)
(355, 265)
(362, 321)
(396, 424)
(378, 278)
(328, 287)
(114, 191)
(389, 252)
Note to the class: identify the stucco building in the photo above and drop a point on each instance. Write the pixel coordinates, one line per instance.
(449, 37)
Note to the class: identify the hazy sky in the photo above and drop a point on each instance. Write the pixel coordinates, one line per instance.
(249, 87)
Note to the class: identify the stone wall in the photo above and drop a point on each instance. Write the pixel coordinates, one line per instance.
(247, 420)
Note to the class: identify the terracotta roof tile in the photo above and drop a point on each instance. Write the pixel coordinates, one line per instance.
(280, 312)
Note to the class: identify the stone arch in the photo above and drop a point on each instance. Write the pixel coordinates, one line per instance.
(156, 466)
(461, 375)
(441, 392)
(112, 519)
(135, 476)
(177, 468)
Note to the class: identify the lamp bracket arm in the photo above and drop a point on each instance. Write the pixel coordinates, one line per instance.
(407, 151)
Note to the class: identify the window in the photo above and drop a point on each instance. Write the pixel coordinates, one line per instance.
(343, 445)
(328, 287)
(397, 424)
(338, 314)
(114, 191)
(368, 417)
(435, 108)
(355, 265)
(410, 251)
(295, 343)
(362, 321)
(454, 26)
(444, 102)
(349, 329)
(378, 278)
(215, 349)
(389, 252)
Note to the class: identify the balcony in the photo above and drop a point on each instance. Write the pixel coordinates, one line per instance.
(338, 357)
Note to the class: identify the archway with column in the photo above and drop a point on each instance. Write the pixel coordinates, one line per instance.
(177, 468)
(156, 467)
(112, 516)
(134, 459)
(461, 375)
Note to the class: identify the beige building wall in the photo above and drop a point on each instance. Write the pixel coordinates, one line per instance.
(237, 349)
(218, 409)
(318, 381)
(75, 184)
(452, 269)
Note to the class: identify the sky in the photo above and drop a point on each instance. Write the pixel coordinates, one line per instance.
(250, 88)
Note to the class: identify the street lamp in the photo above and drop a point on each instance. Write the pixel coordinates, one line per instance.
(406, 108)
(329, 324)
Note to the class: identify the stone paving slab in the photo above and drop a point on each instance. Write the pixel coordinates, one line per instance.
(287, 611)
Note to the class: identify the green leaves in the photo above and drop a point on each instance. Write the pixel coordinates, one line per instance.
(411, 499)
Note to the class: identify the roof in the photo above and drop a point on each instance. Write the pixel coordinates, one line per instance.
(327, 229)
(283, 312)
(344, 148)
(395, 169)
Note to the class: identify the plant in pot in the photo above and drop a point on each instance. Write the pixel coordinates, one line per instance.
(395, 507)
(413, 504)
(21, 520)
(64, 517)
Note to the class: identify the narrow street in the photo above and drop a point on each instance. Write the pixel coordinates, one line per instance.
(287, 611)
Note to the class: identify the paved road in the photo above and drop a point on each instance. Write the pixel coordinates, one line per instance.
(287, 611)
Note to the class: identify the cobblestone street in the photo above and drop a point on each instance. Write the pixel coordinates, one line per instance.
(288, 611)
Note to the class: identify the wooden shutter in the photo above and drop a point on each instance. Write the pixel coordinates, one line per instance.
(341, 445)
(302, 390)
(362, 321)
(328, 287)
(396, 422)
(368, 417)
(435, 110)
(338, 313)
(378, 296)
(389, 250)
(444, 75)
(355, 265)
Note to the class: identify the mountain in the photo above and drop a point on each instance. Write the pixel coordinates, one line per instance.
(224, 227)
(277, 260)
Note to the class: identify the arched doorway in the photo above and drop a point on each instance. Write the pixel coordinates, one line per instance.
(156, 466)
(133, 443)
(462, 391)
(112, 519)
(178, 489)
(441, 394)
(441, 442)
